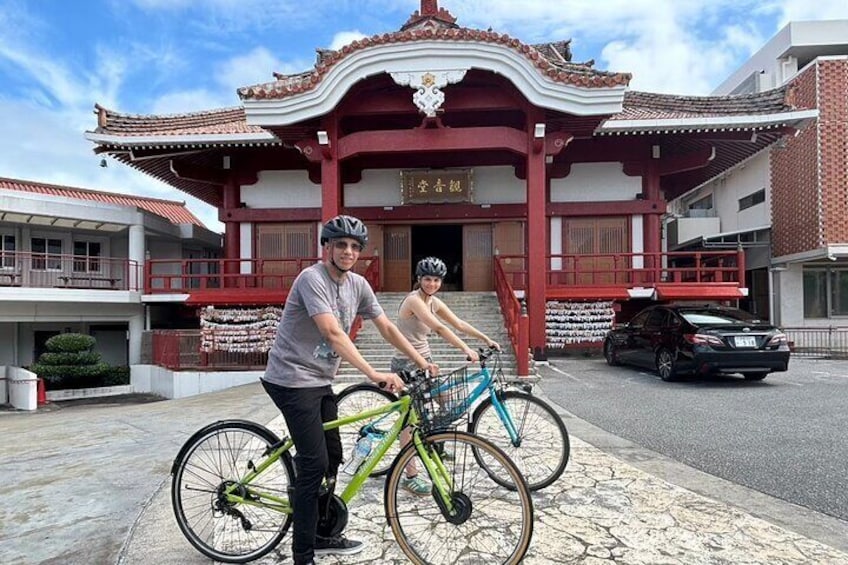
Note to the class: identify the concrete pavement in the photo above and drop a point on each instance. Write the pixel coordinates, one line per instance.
(91, 485)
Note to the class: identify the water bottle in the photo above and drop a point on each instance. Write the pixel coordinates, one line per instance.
(360, 451)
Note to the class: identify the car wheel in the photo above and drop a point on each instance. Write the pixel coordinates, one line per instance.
(666, 365)
(758, 376)
(610, 354)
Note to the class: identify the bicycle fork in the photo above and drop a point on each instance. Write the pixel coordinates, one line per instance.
(454, 505)
(515, 434)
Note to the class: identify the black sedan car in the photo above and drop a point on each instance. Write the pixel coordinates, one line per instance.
(678, 339)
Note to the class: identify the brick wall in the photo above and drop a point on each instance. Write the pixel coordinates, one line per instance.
(795, 213)
(833, 135)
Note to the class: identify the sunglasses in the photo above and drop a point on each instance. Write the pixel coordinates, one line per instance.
(340, 245)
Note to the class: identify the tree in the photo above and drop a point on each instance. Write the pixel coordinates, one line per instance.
(70, 362)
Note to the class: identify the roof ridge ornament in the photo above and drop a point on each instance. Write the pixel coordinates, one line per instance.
(431, 14)
(428, 85)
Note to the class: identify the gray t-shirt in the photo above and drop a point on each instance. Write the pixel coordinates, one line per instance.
(300, 357)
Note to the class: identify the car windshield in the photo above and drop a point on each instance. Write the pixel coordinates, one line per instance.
(707, 317)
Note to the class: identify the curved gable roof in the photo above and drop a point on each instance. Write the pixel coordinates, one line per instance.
(543, 72)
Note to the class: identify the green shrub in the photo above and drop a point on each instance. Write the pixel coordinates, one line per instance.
(71, 363)
(116, 376)
(65, 358)
(70, 343)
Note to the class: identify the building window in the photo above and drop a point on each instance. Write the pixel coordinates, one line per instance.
(705, 203)
(825, 293)
(86, 257)
(752, 199)
(7, 251)
(46, 254)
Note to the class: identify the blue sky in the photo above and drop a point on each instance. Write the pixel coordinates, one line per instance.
(59, 57)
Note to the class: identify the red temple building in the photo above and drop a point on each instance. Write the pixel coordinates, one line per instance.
(532, 175)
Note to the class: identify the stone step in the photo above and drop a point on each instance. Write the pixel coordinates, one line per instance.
(480, 309)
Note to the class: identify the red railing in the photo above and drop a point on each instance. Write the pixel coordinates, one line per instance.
(48, 270)
(167, 276)
(624, 270)
(515, 318)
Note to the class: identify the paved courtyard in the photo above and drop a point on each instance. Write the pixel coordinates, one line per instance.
(92, 486)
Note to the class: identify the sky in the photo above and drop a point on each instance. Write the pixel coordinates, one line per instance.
(58, 58)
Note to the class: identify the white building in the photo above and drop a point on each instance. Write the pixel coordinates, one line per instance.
(73, 260)
(786, 205)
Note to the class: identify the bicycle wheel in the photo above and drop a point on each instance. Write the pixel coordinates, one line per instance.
(542, 450)
(358, 398)
(214, 458)
(490, 523)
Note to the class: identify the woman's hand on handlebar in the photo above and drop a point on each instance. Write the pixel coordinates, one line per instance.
(494, 345)
(471, 355)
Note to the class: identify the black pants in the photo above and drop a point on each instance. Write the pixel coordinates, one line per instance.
(318, 455)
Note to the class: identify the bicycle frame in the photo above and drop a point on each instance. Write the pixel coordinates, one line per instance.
(403, 406)
(486, 384)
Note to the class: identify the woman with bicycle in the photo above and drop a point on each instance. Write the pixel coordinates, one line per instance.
(420, 314)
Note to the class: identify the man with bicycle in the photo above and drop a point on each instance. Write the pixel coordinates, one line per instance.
(312, 339)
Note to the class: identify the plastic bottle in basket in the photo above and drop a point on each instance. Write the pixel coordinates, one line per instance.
(360, 451)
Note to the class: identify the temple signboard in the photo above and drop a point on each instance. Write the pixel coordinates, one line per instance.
(436, 186)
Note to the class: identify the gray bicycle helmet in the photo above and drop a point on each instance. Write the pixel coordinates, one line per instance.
(431, 266)
(345, 226)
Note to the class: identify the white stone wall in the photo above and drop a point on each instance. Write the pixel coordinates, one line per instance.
(594, 182)
(282, 189)
(161, 381)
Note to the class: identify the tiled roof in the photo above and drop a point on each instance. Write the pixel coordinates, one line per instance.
(637, 106)
(548, 59)
(210, 122)
(175, 212)
(652, 106)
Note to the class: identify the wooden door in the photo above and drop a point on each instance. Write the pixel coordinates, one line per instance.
(477, 257)
(276, 245)
(593, 243)
(509, 241)
(397, 258)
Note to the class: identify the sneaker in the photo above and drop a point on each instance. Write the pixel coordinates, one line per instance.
(337, 545)
(416, 485)
(444, 453)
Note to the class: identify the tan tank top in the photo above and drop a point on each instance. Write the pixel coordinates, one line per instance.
(414, 330)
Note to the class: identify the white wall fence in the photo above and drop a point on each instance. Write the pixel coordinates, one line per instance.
(171, 384)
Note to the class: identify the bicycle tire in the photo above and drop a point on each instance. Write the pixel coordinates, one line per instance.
(544, 446)
(212, 458)
(358, 398)
(498, 526)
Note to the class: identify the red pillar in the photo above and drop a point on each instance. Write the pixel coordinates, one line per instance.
(537, 237)
(331, 182)
(232, 235)
(651, 231)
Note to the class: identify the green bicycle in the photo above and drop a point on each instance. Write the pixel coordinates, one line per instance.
(232, 479)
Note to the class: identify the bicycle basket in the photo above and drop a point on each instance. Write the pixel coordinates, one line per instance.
(440, 401)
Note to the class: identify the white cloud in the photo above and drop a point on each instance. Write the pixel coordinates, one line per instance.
(342, 38)
(184, 101)
(254, 67)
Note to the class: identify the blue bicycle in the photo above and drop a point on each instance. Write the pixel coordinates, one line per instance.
(524, 426)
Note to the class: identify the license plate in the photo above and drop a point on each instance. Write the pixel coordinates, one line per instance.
(745, 341)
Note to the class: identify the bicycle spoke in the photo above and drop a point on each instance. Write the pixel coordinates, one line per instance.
(215, 523)
(541, 449)
(427, 536)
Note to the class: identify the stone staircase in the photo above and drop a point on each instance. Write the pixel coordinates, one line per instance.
(480, 309)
